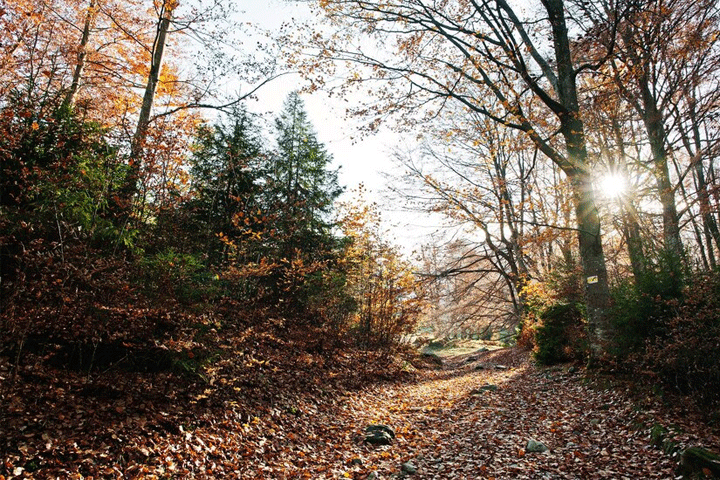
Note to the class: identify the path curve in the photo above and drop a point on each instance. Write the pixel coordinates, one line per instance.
(449, 429)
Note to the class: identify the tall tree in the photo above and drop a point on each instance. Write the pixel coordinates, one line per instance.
(614, 141)
(483, 54)
(301, 187)
(82, 51)
(226, 167)
(164, 11)
(664, 52)
(700, 141)
(638, 52)
(478, 177)
(388, 297)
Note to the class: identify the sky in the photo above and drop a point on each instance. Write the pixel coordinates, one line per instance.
(367, 160)
(364, 160)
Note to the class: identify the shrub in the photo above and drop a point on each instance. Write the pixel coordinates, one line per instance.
(560, 334)
(642, 309)
(687, 356)
(553, 324)
(536, 297)
(525, 334)
(182, 275)
(326, 296)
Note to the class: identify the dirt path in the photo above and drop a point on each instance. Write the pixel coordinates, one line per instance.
(471, 419)
(448, 429)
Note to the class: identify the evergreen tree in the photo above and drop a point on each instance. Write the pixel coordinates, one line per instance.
(226, 168)
(301, 187)
(299, 194)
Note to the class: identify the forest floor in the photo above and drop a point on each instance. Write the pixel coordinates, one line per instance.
(303, 416)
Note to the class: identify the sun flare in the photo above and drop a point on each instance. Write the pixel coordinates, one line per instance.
(613, 185)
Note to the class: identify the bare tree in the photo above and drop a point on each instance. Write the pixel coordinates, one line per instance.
(484, 55)
(664, 52)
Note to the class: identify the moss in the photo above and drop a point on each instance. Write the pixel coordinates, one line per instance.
(697, 462)
(657, 435)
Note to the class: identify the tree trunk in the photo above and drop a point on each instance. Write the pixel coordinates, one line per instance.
(81, 56)
(597, 292)
(710, 226)
(141, 131)
(592, 257)
(701, 246)
(653, 120)
(631, 231)
(630, 225)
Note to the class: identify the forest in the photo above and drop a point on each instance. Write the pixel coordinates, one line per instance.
(187, 290)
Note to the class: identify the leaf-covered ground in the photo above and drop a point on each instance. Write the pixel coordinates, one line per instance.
(275, 411)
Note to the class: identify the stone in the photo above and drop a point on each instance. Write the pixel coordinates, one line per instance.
(379, 427)
(533, 446)
(379, 435)
(433, 357)
(379, 438)
(484, 388)
(409, 468)
(696, 462)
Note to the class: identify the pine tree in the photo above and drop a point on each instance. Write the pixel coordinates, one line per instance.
(227, 166)
(301, 188)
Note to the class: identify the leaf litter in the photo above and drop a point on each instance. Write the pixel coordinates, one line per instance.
(274, 410)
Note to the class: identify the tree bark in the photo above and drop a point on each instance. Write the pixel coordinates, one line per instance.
(653, 120)
(597, 292)
(630, 225)
(81, 56)
(137, 146)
